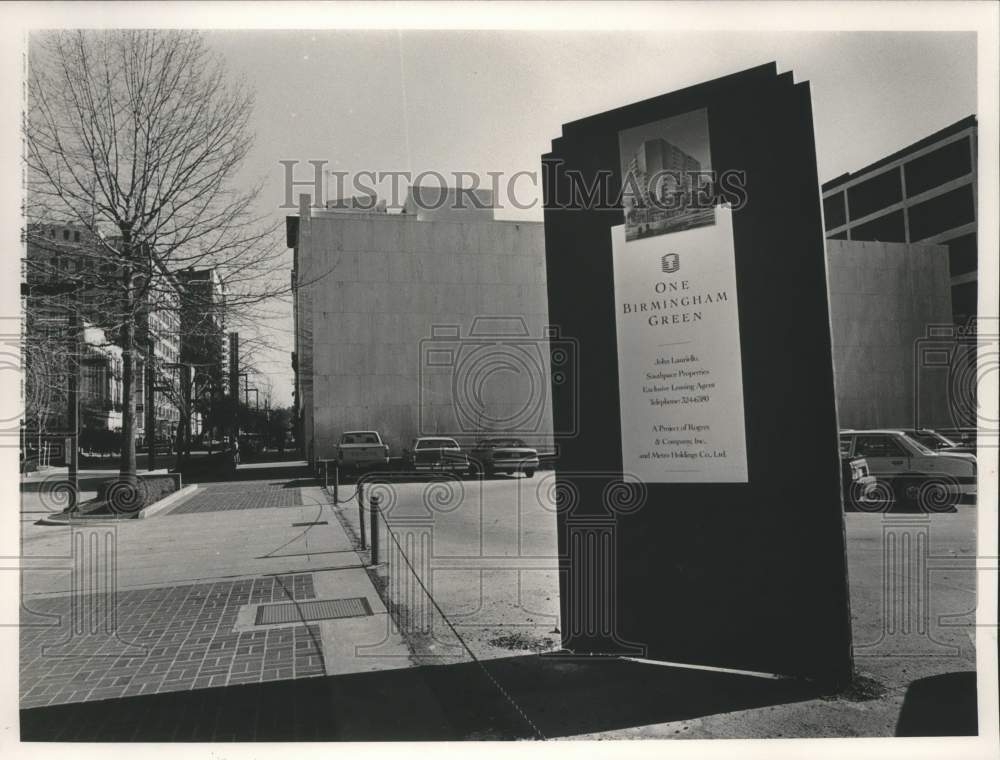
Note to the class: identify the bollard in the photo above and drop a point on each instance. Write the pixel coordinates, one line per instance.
(373, 508)
(361, 513)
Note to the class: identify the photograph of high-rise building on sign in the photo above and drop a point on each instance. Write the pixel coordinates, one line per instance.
(664, 164)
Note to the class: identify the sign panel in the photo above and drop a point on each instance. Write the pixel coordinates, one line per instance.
(679, 358)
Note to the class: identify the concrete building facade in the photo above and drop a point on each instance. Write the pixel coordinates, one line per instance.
(885, 301)
(411, 324)
(70, 254)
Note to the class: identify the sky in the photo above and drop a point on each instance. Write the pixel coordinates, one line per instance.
(492, 101)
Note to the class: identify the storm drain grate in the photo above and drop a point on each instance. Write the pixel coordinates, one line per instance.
(320, 609)
(306, 524)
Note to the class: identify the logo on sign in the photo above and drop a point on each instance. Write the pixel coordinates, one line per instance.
(671, 263)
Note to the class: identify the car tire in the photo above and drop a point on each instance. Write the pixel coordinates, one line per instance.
(934, 495)
(529, 473)
(882, 500)
(475, 469)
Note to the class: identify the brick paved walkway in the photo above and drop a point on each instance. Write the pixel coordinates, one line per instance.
(220, 497)
(184, 639)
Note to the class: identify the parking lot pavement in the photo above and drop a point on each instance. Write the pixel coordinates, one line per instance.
(469, 566)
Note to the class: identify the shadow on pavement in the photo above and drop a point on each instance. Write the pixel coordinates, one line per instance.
(217, 472)
(548, 697)
(944, 705)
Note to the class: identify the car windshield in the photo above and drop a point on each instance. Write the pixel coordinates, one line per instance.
(359, 438)
(935, 440)
(914, 443)
(437, 443)
(497, 443)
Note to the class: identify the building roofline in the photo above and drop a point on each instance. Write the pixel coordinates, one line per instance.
(952, 129)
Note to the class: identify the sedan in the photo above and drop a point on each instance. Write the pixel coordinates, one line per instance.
(509, 455)
(436, 454)
(933, 440)
(860, 488)
(912, 472)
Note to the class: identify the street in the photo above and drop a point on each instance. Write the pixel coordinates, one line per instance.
(468, 571)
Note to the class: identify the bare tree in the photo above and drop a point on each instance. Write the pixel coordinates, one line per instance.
(135, 137)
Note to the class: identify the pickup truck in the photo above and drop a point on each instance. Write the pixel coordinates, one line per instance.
(362, 450)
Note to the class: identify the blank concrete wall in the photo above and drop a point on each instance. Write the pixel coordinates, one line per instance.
(884, 297)
(393, 303)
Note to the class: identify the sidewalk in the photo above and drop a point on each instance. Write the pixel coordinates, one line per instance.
(190, 585)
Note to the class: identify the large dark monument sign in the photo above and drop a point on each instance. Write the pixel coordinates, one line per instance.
(700, 515)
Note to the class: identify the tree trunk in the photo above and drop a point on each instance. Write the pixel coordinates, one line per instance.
(127, 467)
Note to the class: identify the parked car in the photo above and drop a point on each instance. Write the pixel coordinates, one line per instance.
(861, 490)
(935, 441)
(494, 455)
(910, 471)
(964, 437)
(361, 450)
(436, 454)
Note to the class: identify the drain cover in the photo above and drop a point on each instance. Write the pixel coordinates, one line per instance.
(319, 609)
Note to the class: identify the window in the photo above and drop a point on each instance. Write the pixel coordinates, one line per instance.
(65, 234)
(437, 443)
(878, 446)
(834, 211)
(873, 194)
(945, 212)
(845, 446)
(76, 236)
(365, 438)
(497, 443)
(932, 169)
(887, 229)
(962, 255)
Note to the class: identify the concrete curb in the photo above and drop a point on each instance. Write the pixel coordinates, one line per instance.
(169, 502)
(151, 511)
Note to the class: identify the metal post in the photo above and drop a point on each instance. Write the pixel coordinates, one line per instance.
(373, 508)
(336, 482)
(326, 479)
(361, 514)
